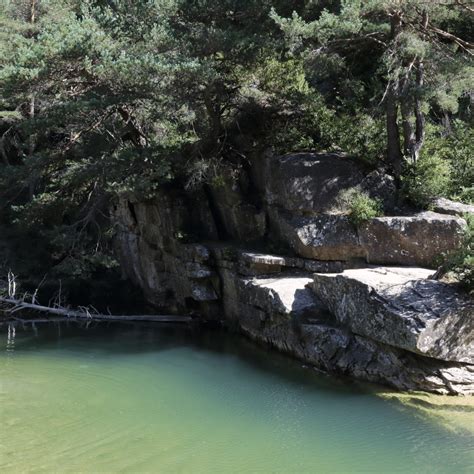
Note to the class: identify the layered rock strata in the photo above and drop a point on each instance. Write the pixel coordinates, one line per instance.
(319, 299)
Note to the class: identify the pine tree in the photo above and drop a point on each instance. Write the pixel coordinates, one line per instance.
(413, 56)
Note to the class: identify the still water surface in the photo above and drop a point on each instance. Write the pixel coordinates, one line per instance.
(130, 398)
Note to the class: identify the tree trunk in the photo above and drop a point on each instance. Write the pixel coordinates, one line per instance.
(12, 306)
(31, 111)
(419, 138)
(394, 153)
(214, 116)
(33, 11)
(407, 126)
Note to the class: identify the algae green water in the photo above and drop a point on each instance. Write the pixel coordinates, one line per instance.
(137, 398)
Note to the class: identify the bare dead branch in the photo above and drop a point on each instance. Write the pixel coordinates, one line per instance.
(13, 306)
(464, 45)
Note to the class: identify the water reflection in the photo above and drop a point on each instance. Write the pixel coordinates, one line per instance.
(137, 398)
(11, 332)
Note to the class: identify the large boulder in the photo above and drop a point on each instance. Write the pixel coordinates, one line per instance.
(401, 307)
(324, 237)
(453, 208)
(311, 183)
(420, 239)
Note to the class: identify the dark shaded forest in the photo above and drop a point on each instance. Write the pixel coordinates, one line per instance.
(105, 99)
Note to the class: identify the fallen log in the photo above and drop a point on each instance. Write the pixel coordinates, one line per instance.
(15, 305)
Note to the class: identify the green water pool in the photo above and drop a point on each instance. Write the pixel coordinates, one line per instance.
(142, 398)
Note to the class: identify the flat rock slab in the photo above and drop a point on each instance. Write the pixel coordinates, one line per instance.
(418, 240)
(453, 208)
(401, 307)
(253, 263)
(288, 294)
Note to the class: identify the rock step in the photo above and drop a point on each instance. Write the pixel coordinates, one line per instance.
(453, 208)
(417, 240)
(254, 263)
(285, 313)
(402, 307)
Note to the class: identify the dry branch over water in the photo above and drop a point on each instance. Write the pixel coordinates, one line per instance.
(10, 305)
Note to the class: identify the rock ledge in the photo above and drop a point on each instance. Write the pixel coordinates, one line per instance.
(402, 307)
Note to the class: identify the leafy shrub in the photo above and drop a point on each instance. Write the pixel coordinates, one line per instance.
(446, 160)
(459, 265)
(425, 180)
(365, 140)
(360, 205)
(459, 154)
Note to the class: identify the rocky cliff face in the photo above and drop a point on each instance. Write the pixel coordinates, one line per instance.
(326, 298)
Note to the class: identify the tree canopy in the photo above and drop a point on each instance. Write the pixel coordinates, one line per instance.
(413, 57)
(106, 98)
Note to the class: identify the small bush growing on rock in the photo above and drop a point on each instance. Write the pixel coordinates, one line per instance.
(361, 206)
(426, 180)
(459, 266)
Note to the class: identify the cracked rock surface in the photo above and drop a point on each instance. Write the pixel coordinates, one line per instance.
(402, 307)
(244, 251)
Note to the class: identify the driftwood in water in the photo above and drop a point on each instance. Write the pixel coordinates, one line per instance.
(14, 305)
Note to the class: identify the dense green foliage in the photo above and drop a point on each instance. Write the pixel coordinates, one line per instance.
(109, 98)
(409, 60)
(362, 208)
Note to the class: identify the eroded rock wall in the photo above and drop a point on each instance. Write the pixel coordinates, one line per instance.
(207, 253)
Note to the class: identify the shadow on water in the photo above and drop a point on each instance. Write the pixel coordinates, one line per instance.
(118, 339)
(115, 340)
(214, 386)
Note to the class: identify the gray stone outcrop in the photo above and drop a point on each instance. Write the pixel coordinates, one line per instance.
(420, 239)
(208, 253)
(284, 313)
(453, 208)
(403, 308)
